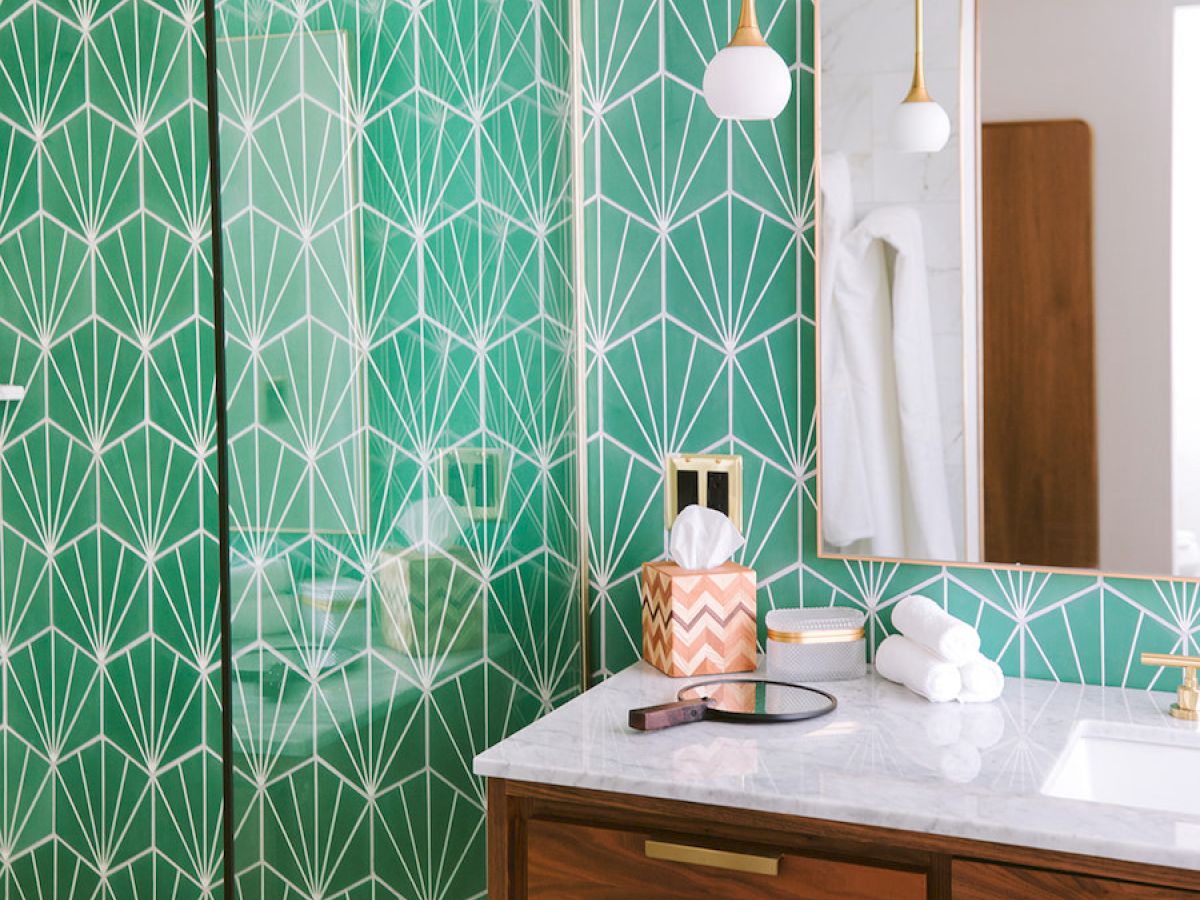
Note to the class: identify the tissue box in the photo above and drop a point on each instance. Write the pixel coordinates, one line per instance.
(698, 623)
(427, 603)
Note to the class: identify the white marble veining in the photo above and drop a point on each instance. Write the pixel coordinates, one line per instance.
(885, 757)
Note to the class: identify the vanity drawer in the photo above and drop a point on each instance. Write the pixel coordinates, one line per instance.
(569, 860)
(985, 881)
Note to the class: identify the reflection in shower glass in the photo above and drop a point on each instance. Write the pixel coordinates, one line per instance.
(396, 235)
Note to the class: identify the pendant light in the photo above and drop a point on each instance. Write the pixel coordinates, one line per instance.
(747, 80)
(919, 125)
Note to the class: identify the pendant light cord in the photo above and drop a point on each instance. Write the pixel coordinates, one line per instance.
(917, 93)
(748, 33)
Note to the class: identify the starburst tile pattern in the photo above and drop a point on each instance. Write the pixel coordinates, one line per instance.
(397, 224)
(109, 627)
(697, 306)
(692, 235)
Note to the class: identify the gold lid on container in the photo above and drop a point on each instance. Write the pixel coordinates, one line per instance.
(828, 625)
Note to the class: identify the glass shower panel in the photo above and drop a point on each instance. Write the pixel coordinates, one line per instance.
(110, 735)
(400, 341)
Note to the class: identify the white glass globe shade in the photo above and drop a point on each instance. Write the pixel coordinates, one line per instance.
(920, 126)
(747, 83)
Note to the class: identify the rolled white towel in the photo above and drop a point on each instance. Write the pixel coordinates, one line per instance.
(982, 724)
(905, 662)
(943, 724)
(960, 762)
(982, 680)
(920, 619)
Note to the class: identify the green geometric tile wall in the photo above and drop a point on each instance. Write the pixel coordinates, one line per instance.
(109, 630)
(396, 223)
(693, 240)
(402, 453)
(402, 459)
(701, 325)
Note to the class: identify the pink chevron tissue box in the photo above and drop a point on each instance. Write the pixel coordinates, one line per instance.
(698, 623)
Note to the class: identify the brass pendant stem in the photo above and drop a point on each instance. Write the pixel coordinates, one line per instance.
(747, 34)
(918, 93)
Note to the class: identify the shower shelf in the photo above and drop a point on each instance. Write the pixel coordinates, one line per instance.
(13, 393)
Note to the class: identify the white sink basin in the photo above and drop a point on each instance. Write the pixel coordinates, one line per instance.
(1130, 765)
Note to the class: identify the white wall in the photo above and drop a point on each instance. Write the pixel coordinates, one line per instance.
(866, 70)
(1108, 62)
(1185, 287)
(968, 81)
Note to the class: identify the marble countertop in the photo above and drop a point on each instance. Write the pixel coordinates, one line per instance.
(885, 757)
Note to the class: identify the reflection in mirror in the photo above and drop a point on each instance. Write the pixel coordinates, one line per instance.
(342, 541)
(897, 289)
(1004, 327)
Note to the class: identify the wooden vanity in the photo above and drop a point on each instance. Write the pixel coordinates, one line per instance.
(558, 842)
(888, 797)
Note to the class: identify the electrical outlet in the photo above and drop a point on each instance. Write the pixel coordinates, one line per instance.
(704, 479)
(476, 479)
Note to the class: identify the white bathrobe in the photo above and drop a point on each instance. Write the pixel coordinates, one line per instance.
(884, 485)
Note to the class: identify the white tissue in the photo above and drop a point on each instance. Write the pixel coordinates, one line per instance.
(437, 519)
(920, 619)
(703, 539)
(908, 663)
(982, 680)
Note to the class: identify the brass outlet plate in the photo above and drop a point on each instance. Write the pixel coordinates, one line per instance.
(477, 479)
(702, 464)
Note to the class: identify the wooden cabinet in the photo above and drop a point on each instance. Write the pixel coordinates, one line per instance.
(977, 881)
(569, 860)
(551, 842)
(1040, 461)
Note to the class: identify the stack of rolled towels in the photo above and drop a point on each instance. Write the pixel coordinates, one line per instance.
(936, 655)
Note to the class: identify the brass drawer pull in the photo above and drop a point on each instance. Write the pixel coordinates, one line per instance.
(717, 859)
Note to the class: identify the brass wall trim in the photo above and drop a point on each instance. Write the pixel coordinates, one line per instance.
(714, 859)
(580, 345)
(838, 636)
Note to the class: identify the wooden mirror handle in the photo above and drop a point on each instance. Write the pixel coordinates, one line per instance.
(667, 715)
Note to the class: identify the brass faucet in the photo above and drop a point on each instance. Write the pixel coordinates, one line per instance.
(1188, 706)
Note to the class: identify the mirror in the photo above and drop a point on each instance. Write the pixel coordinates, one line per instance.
(1007, 326)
